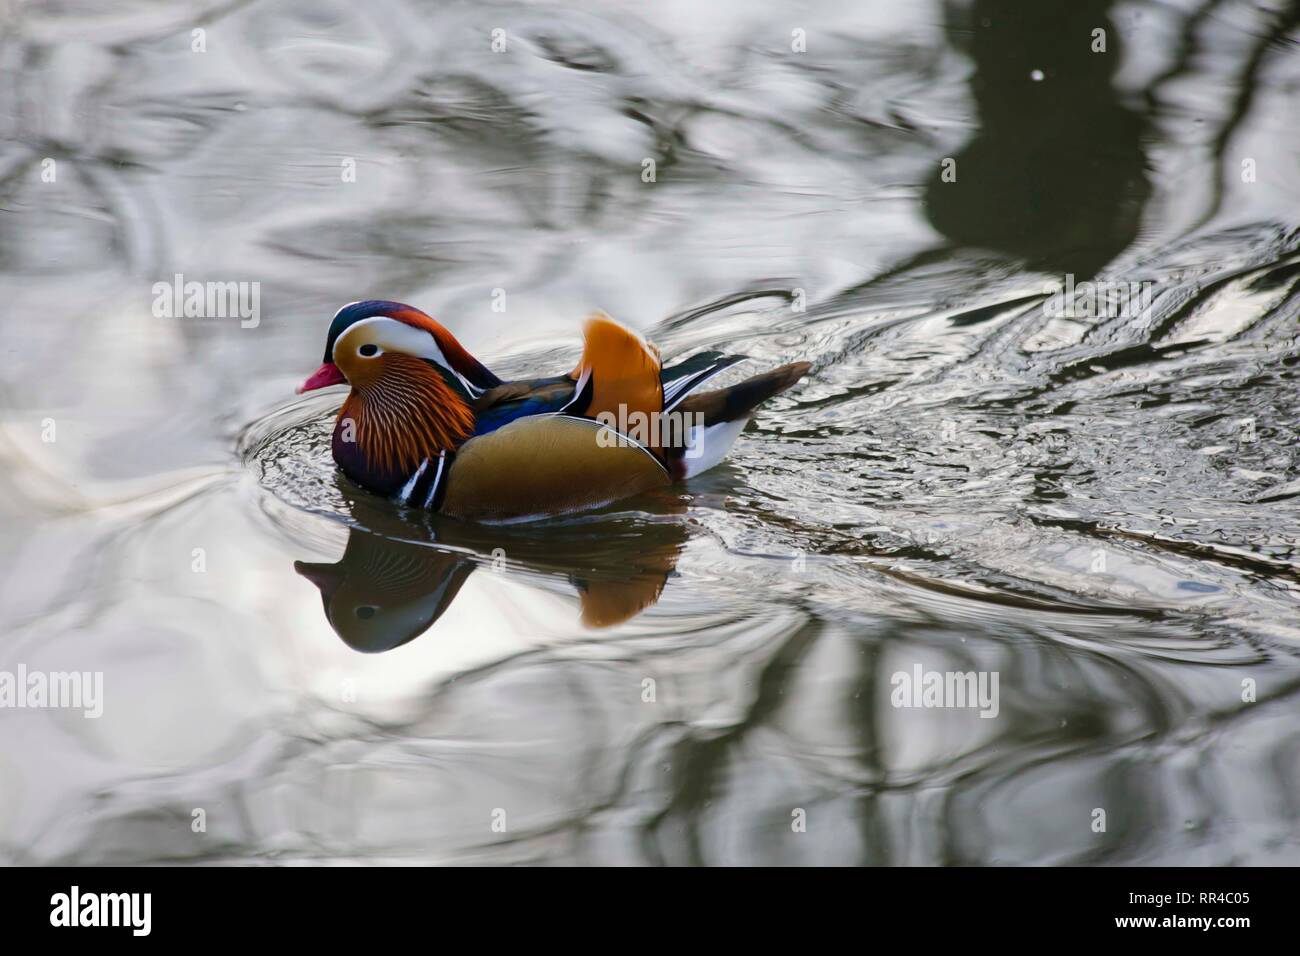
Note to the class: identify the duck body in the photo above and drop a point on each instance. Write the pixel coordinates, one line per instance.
(546, 464)
(430, 426)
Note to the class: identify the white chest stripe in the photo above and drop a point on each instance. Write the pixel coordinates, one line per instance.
(577, 390)
(474, 390)
(437, 478)
(407, 488)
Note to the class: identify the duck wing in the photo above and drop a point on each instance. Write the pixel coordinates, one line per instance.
(514, 400)
(546, 465)
(619, 371)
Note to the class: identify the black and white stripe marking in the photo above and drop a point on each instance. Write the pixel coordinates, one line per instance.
(427, 486)
(678, 389)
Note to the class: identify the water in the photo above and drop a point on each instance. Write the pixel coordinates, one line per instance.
(1102, 510)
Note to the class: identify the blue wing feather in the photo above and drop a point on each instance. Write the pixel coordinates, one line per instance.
(546, 396)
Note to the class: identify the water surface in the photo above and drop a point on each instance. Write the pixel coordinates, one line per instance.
(1102, 509)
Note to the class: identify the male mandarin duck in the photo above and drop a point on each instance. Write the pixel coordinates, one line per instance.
(430, 426)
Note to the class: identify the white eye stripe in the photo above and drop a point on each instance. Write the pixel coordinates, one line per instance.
(389, 335)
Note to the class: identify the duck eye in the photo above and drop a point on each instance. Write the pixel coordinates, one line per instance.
(368, 350)
(366, 611)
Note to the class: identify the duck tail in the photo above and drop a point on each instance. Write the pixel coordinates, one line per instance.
(719, 417)
(728, 404)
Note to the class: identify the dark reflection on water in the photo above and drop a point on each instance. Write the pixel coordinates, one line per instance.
(1101, 508)
(383, 593)
(387, 590)
(1055, 174)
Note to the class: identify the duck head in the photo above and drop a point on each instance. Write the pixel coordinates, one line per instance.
(412, 389)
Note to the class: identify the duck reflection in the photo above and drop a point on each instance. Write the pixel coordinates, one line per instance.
(399, 573)
(383, 593)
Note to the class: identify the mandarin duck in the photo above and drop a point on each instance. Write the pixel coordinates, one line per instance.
(428, 425)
